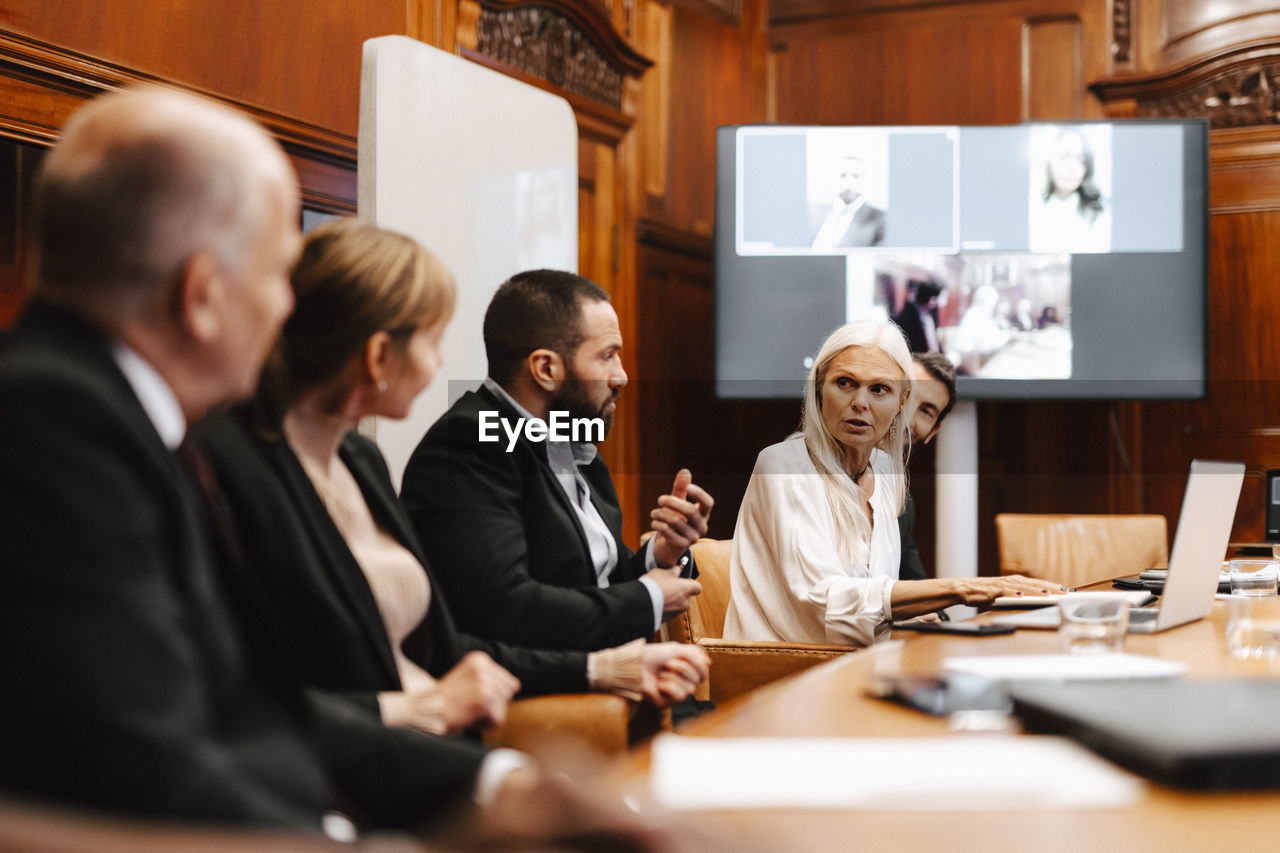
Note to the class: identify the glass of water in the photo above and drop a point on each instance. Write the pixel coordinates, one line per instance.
(1253, 626)
(1093, 624)
(1253, 578)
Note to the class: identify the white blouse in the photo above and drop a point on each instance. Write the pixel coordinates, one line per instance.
(787, 580)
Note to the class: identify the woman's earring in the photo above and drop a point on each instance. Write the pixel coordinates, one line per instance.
(893, 430)
(382, 385)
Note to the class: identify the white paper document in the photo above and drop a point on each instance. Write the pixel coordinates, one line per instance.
(1063, 667)
(962, 772)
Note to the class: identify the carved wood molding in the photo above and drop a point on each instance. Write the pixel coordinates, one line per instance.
(1239, 87)
(729, 11)
(43, 83)
(596, 121)
(664, 236)
(1122, 31)
(572, 46)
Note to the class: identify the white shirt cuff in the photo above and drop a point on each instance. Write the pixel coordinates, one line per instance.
(886, 605)
(494, 769)
(655, 596)
(650, 562)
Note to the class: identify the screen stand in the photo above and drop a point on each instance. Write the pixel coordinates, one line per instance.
(956, 540)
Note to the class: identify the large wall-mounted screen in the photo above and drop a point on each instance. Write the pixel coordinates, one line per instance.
(1063, 260)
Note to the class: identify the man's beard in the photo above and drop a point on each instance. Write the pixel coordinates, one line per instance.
(575, 398)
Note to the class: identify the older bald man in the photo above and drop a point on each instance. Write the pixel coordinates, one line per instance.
(131, 677)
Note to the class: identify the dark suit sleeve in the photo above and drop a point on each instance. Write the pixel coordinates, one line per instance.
(465, 502)
(540, 671)
(393, 777)
(106, 695)
(910, 569)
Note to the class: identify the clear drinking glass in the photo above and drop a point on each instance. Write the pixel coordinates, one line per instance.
(1253, 626)
(1254, 578)
(1092, 625)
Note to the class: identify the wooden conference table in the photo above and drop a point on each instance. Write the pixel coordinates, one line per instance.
(830, 701)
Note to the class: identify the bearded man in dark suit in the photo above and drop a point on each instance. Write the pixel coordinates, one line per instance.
(525, 534)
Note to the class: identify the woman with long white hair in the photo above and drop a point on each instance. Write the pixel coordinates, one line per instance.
(816, 549)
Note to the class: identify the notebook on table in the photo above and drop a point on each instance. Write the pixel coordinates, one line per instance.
(1204, 530)
(1208, 735)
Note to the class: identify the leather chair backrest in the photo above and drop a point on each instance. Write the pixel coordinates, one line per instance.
(1075, 550)
(705, 616)
(709, 608)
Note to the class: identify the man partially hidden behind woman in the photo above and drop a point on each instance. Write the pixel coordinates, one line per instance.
(816, 549)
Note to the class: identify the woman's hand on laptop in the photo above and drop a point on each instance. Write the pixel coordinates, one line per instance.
(986, 590)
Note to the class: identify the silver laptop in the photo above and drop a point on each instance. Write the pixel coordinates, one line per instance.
(1204, 530)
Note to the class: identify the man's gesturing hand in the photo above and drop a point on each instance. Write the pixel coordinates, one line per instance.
(679, 519)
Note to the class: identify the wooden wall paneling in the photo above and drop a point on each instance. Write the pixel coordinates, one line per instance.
(654, 37)
(685, 426)
(672, 383)
(42, 84)
(18, 166)
(622, 451)
(1041, 456)
(1240, 419)
(948, 71)
(721, 72)
(299, 58)
(936, 63)
(1053, 85)
(434, 22)
(1244, 169)
(728, 11)
(1193, 28)
(11, 221)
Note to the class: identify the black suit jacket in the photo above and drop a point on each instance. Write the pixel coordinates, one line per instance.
(506, 544)
(319, 595)
(910, 568)
(127, 680)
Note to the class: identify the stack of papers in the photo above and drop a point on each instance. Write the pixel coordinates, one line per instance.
(1063, 667)
(980, 772)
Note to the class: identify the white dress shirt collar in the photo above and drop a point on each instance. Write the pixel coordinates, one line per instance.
(155, 395)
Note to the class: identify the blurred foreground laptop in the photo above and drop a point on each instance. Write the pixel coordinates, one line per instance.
(1204, 530)
(1192, 734)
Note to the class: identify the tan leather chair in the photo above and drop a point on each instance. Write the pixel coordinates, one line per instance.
(736, 667)
(598, 723)
(1076, 550)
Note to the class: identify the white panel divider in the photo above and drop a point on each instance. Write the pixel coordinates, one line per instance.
(483, 170)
